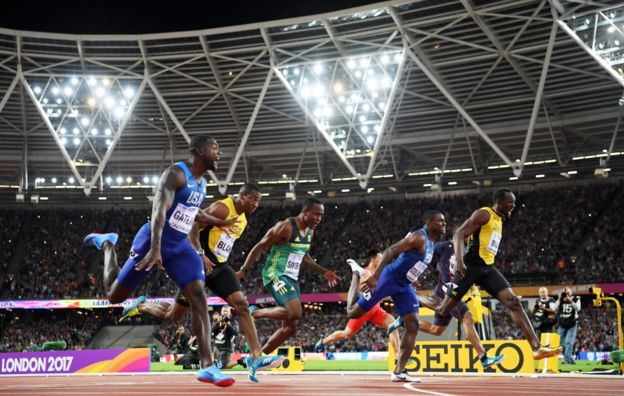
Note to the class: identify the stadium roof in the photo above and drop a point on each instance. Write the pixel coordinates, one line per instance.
(463, 108)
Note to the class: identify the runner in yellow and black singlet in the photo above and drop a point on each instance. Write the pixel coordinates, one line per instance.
(484, 230)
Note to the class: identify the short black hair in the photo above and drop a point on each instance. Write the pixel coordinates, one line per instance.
(199, 141)
(429, 214)
(249, 188)
(499, 194)
(372, 253)
(310, 202)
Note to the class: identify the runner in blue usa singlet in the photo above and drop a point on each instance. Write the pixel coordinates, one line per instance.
(397, 278)
(180, 259)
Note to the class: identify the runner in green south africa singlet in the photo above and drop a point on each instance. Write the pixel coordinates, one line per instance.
(280, 273)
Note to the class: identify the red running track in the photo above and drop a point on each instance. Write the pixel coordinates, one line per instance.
(309, 384)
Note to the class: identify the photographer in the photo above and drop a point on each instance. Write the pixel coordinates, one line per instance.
(567, 308)
(543, 313)
(224, 332)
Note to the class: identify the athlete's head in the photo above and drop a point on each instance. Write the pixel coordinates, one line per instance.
(249, 197)
(504, 201)
(312, 211)
(374, 256)
(205, 149)
(543, 293)
(434, 221)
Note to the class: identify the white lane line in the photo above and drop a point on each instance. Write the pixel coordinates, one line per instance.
(427, 392)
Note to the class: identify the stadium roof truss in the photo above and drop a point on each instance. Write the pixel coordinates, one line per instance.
(387, 94)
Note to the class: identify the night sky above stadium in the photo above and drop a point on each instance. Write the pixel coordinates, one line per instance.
(137, 17)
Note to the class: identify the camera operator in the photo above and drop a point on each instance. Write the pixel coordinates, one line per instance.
(224, 332)
(543, 313)
(567, 308)
(180, 343)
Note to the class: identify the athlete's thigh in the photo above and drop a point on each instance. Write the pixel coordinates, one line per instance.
(223, 281)
(128, 277)
(460, 285)
(385, 286)
(405, 300)
(493, 281)
(182, 263)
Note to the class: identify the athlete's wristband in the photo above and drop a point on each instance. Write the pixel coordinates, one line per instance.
(201, 252)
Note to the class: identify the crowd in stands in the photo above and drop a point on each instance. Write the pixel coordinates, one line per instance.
(21, 330)
(572, 232)
(562, 231)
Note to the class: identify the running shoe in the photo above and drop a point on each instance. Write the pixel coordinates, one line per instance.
(492, 360)
(319, 346)
(97, 240)
(544, 352)
(403, 376)
(394, 325)
(252, 369)
(132, 309)
(273, 361)
(212, 375)
(355, 267)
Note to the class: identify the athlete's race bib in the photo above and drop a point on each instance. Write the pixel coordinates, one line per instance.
(182, 218)
(293, 264)
(494, 242)
(416, 271)
(224, 246)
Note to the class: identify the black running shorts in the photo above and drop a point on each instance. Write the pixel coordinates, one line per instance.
(222, 281)
(488, 277)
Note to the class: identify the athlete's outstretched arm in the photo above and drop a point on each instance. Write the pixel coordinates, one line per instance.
(215, 216)
(470, 226)
(279, 234)
(171, 180)
(415, 240)
(330, 276)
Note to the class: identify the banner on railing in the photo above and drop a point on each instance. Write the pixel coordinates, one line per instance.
(86, 304)
(134, 360)
(460, 357)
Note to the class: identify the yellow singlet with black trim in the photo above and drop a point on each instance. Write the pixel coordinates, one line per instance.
(483, 244)
(218, 243)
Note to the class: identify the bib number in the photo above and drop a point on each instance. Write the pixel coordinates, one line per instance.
(416, 271)
(293, 264)
(182, 218)
(494, 242)
(224, 246)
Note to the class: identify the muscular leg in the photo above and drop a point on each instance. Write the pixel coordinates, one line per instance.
(116, 293)
(165, 311)
(158, 310)
(394, 336)
(338, 335)
(519, 317)
(289, 325)
(111, 268)
(238, 301)
(354, 291)
(430, 328)
(196, 295)
(275, 313)
(410, 321)
(447, 306)
(471, 333)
